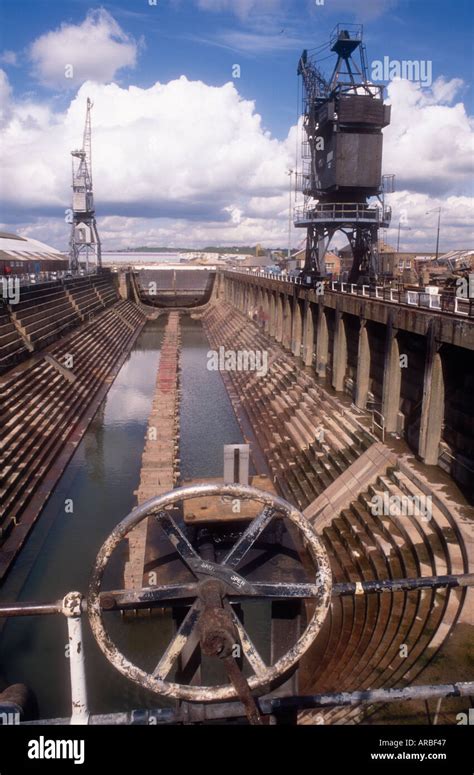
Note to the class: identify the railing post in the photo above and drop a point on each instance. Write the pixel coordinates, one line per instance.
(72, 610)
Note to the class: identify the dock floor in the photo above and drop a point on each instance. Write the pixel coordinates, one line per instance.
(159, 471)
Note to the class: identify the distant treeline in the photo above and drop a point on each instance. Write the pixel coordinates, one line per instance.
(246, 250)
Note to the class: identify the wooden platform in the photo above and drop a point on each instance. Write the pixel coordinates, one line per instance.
(202, 510)
(159, 471)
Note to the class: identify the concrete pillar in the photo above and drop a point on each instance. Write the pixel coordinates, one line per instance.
(339, 353)
(260, 301)
(363, 368)
(391, 380)
(297, 330)
(322, 342)
(279, 319)
(432, 409)
(287, 324)
(272, 315)
(308, 335)
(255, 299)
(266, 308)
(250, 304)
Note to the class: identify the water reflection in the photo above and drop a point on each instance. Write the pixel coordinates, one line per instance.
(100, 482)
(207, 418)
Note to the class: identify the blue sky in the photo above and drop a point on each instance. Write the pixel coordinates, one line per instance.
(203, 40)
(180, 37)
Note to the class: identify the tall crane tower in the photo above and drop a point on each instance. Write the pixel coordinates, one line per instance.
(85, 240)
(343, 118)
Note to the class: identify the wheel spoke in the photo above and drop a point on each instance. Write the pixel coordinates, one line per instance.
(235, 556)
(253, 657)
(139, 598)
(281, 590)
(123, 599)
(179, 541)
(174, 649)
(165, 595)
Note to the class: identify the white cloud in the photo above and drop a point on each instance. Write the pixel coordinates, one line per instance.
(187, 164)
(444, 91)
(8, 58)
(5, 98)
(182, 150)
(418, 226)
(364, 10)
(429, 144)
(242, 8)
(96, 50)
(253, 42)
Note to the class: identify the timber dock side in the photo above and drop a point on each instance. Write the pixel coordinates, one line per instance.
(159, 471)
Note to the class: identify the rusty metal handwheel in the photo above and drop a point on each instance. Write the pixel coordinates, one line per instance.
(231, 585)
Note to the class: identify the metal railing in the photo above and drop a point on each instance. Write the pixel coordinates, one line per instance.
(355, 32)
(40, 278)
(352, 212)
(442, 301)
(378, 423)
(74, 607)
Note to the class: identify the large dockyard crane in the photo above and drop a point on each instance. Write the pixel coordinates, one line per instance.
(85, 241)
(343, 118)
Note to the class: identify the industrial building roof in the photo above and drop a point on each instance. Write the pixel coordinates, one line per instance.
(16, 248)
(458, 257)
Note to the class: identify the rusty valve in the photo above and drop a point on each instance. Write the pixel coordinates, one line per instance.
(216, 628)
(218, 636)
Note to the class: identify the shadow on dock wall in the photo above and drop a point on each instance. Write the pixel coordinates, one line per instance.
(170, 288)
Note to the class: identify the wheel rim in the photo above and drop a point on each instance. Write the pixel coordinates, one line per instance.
(272, 673)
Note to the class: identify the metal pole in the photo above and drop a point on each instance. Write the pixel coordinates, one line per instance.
(72, 609)
(461, 689)
(439, 227)
(114, 600)
(393, 585)
(290, 173)
(189, 712)
(437, 238)
(398, 241)
(30, 609)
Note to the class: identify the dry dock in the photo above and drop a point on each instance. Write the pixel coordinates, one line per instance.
(159, 470)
